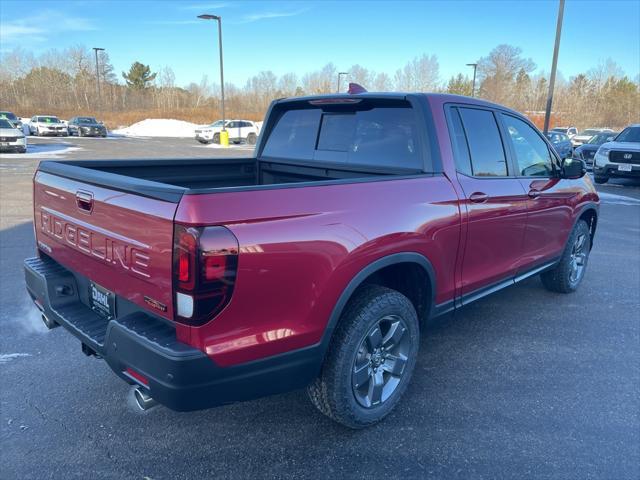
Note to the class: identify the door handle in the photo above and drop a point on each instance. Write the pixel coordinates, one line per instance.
(534, 193)
(478, 197)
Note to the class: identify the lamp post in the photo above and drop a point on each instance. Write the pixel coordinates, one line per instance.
(473, 85)
(554, 64)
(96, 50)
(206, 16)
(340, 75)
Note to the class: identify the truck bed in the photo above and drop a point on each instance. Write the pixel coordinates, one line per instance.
(169, 179)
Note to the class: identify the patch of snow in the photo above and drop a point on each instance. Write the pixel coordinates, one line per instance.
(43, 150)
(618, 199)
(7, 357)
(159, 127)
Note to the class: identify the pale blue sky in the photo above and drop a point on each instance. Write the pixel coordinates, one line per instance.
(298, 36)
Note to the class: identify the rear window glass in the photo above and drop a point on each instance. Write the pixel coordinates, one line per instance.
(294, 136)
(384, 136)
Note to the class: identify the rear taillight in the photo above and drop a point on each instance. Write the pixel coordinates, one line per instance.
(205, 263)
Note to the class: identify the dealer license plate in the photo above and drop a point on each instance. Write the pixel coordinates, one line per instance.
(102, 301)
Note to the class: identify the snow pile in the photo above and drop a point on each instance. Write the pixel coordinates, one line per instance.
(159, 127)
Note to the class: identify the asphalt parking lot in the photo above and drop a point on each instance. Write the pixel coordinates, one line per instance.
(522, 384)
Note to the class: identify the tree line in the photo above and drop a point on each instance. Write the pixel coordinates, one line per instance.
(64, 83)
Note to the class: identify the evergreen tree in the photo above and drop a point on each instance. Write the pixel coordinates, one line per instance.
(139, 76)
(460, 85)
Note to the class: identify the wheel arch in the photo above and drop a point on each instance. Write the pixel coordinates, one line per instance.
(589, 213)
(385, 268)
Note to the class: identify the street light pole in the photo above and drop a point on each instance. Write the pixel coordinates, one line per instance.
(219, 19)
(96, 50)
(554, 64)
(473, 85)
(339, 75)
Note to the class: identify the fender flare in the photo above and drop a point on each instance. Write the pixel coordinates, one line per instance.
(359, 278)
(582, 210)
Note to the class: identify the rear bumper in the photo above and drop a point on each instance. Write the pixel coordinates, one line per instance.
(177, 375)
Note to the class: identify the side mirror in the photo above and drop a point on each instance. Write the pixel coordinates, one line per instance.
(573, 168)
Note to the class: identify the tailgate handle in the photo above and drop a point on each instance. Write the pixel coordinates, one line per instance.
(84, 201)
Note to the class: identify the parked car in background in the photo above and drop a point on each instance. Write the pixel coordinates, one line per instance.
(203, 283)
(47, 125)
(620, 157)
(86, 127)
(568, 131)
(587, 151)
(239, 131)
(12, 118)
(11, 138)
(561, 143)
(587, 134)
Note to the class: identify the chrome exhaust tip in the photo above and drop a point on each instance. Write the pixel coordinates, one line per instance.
(48, 322)
(144, 401)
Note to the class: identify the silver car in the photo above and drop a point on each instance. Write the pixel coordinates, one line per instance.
(11, 139)
(49, 125)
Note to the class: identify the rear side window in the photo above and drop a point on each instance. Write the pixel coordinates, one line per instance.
(484, 142)
(462, 158)
(384, 136)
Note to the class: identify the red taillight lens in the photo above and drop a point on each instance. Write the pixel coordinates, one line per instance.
(186, 253)
(205, 265)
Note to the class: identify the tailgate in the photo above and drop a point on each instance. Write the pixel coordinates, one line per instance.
(121, 241)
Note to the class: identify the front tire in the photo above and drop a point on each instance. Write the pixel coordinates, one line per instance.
(600, 179)
(370, 359)
(567, 275)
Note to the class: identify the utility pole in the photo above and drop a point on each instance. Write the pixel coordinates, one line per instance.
(473, 85)
(96, 50)
(554, 65)
(339, 75)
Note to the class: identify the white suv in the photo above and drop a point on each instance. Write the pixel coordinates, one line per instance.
(239, 131)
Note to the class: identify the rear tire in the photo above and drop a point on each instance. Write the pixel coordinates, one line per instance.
(216, 138)
(252, 138)
(567, 275)
(370, 359)
(600, 180)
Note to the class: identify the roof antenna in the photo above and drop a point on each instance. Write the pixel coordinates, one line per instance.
(355, 88)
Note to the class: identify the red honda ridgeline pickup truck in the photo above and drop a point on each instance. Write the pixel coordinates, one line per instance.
(312, 264)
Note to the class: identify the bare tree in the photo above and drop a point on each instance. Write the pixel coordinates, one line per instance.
(320, 81)
(497, 72)
(422, 74)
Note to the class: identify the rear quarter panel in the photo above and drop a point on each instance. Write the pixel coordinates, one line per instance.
(300, 247)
